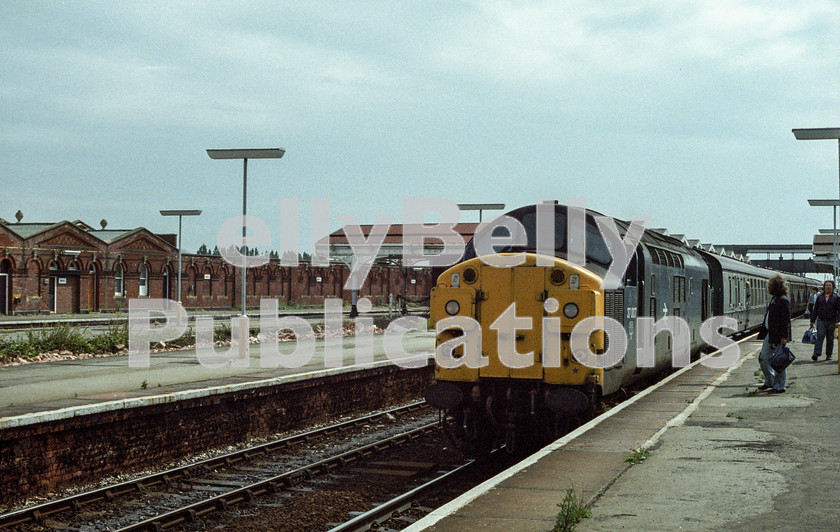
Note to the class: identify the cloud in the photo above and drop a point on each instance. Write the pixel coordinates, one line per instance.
(557, 42)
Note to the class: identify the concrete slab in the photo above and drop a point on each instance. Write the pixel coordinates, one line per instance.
(745, 460)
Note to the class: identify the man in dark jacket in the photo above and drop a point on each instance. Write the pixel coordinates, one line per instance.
(826, 314)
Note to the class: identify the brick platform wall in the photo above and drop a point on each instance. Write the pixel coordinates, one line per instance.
(41, 458)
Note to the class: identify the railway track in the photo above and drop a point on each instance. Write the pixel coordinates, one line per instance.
(247, 494)
(200, 475)
(391, 513)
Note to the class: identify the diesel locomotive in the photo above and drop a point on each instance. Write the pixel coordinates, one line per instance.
(505, 369)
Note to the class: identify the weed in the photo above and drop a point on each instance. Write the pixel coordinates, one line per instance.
(144, 384)
(572, 511)
(639, 455)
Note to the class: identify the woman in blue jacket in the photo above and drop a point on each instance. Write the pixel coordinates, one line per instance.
(775, 331)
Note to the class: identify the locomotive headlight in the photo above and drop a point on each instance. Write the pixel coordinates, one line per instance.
(570, 310)
(452, 307)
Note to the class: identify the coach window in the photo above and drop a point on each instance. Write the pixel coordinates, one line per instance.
(118, 280)
(144, 281)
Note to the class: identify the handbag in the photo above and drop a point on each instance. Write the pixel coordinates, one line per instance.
(810, 337)
(781, 358)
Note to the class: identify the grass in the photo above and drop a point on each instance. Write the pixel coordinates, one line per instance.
(64, 337)
(75, 339)
(639, 455)
(572, 511)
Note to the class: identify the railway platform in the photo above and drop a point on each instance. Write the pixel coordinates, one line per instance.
(93, 384)
(722, 456)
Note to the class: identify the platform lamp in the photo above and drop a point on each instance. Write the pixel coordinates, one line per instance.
(180, 213)
(824, 133)
(245, 154)
(481, 207)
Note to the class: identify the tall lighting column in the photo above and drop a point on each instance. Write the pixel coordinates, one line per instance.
(825, 133)
(180, 213)
(245, 154)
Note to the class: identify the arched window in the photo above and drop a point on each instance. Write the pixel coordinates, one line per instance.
(119, 278)
(144, 281)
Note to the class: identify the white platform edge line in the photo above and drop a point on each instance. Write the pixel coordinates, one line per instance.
(136, 402)
(491, 483)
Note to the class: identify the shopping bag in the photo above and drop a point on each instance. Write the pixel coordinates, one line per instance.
(781, 358)
(810, 337)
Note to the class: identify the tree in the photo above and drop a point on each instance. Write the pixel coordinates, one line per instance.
(203, 250)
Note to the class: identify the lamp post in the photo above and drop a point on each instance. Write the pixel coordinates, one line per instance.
(180, 213)
(824, 133)
(245, 154)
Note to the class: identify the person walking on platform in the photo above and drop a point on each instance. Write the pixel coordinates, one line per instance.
(826, 314)
(774, 331)
(811, 300)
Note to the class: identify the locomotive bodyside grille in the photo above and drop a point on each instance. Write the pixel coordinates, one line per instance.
(613, 308)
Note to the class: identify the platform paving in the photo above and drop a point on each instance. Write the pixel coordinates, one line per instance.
(723, 456)
(40, 388)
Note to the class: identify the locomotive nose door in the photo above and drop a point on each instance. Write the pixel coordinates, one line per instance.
(528, 286)
(501, 289)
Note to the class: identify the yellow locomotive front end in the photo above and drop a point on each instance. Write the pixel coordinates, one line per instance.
(504, 365)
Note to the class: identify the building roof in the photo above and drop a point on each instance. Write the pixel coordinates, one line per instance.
(27, 231)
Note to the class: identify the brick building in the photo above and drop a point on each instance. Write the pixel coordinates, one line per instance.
(71, 267)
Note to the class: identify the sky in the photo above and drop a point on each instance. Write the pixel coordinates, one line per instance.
(675, 110)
